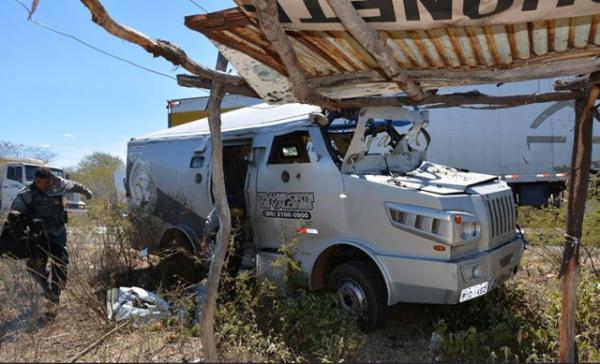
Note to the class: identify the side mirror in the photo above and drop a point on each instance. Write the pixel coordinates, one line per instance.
(319, 118)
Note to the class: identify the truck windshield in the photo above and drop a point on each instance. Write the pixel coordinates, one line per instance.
(380, 137)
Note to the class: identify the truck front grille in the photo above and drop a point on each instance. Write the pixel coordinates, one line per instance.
(502, 217)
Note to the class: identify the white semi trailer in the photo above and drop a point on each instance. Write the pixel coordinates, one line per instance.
(529, 146)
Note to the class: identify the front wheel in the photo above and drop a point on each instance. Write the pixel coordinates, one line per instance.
(360, 290)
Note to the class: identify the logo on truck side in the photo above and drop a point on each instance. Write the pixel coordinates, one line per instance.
(286, 205)
(142, 185)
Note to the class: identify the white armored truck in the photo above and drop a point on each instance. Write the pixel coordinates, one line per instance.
(376, 225)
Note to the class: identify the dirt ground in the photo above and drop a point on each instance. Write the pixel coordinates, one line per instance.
(27, 334)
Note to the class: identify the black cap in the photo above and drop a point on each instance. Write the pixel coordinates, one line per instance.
(43, 173)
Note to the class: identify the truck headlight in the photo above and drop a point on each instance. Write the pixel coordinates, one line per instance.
(470, 230)
(466, 227)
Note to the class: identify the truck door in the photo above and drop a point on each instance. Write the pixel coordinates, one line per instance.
(12, 183)
(196, 179)
(297, 187)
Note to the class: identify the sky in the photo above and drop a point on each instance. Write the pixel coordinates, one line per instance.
(59, 94)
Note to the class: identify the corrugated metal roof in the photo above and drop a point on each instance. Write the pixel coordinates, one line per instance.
(443, 56)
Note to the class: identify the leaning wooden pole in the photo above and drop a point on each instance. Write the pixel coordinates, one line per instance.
(578, 184)
(220, 195)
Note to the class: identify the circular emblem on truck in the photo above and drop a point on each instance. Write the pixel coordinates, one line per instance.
(142, 186)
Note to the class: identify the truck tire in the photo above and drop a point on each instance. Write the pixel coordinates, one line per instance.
(360, 290)
(178, 260)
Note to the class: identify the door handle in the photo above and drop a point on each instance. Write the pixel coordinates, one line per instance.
(198, 178)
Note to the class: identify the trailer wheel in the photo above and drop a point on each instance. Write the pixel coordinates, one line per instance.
(360, 290)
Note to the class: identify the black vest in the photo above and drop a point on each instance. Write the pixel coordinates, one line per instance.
(48, 208)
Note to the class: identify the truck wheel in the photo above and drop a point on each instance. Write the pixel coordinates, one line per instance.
(360, 290)
(178, 260)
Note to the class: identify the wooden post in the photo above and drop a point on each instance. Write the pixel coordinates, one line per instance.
(578, 184)
(218, 181)
(224, 233)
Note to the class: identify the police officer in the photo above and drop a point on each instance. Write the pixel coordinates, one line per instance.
(43, 200)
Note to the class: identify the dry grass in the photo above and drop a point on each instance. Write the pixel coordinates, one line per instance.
(32, 330)
(99, 262)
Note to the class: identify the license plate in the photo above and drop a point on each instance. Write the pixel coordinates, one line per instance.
(473, 291)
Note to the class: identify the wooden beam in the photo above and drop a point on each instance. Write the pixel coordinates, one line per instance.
(451, 77)
(221, 20)
(461, 99)
(378, 48)
(578, 184)
(578, 83)
(196, 82)
(268, 17)
(157, 47)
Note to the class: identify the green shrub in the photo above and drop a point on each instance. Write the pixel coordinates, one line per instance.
(504, 327)
(255, 323)
(546, 226)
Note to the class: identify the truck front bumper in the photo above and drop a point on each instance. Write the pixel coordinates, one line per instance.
(438, 282)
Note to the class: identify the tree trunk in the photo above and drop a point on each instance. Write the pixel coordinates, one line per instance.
(580, 174)
(220, 195)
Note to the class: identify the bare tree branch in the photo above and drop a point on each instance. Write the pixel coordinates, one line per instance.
(377, 46)
(217, 262)
(34, 5)
(9, 150)
(222, 205)
(461, 99)
(196, 82)
(162, 48)
(268, 17)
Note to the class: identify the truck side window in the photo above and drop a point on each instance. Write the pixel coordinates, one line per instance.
(290, 148)
(197, 162)
(14, 173)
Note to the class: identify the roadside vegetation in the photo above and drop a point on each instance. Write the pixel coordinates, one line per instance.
(520, 322)
(254, 322)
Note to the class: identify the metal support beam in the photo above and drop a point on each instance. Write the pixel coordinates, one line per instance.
(578, 184)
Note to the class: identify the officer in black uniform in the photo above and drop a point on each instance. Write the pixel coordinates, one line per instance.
(43, 200)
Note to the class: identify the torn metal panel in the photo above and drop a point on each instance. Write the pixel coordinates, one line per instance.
(271, 85)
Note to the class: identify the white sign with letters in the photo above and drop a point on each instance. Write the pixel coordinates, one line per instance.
(427, 14)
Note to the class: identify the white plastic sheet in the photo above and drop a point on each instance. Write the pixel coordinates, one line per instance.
(135, 303)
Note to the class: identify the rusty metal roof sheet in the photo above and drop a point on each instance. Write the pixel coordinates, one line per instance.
(447, 55)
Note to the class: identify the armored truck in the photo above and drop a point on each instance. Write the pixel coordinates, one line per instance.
(376, 225)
